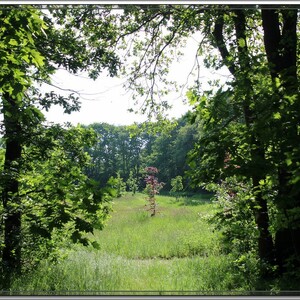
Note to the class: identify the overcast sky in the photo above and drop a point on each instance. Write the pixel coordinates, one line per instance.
(105, 100)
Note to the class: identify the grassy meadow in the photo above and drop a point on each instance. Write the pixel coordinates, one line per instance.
(175, 252)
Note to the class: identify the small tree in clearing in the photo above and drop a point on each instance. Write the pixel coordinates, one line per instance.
(118, 184)
(152, 188)
(177, 186)
(132, 183)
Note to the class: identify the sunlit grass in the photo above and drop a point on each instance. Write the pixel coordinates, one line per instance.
(86, 270)
(174, 252)
(176, 231)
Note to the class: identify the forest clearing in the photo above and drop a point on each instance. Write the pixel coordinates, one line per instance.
(175, 252)
(72, 210)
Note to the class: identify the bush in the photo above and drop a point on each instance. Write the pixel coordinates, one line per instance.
(118, 184)
(177, 186)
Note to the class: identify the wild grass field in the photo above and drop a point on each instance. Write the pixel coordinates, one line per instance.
(175, 252)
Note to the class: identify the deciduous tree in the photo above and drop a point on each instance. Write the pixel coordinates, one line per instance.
(32, 47)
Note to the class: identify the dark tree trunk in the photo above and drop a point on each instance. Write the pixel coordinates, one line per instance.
(240, 72)
(265, 241)
(281, 49)
(260, 210)
(11, 254)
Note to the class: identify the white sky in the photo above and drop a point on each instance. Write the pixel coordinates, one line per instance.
(105, 100)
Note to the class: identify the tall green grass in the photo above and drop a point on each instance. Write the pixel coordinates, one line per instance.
(176, 231)
(176, 251)
(87, 271)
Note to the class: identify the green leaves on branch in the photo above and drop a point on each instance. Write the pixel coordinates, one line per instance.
(62, 197)
(118, 184)
(248, 131)
(19, 57)
(177, 185)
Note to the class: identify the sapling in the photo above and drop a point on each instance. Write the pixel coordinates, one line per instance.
(152, 188)
(177, 186)
(132, 183)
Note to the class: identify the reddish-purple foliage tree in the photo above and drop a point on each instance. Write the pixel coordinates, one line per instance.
(152, 188)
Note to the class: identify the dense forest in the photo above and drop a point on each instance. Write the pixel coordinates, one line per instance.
(240, 141)
(128, 150)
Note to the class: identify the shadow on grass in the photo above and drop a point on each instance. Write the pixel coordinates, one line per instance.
(194, 202)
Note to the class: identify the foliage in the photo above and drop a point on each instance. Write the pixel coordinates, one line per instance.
(240, 124)
(20, 61)
(118, 184)
(27, 39)
(239, 232)
(132, 183)
(129, 149)
(152, 37)
(117, 149)
(177, 185)
(59, 202)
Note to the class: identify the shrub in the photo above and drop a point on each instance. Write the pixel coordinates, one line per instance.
(118, 184)
(177, 186)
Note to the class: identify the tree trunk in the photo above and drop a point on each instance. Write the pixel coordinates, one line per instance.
(11, 254)
(265, 241)
(281, 49)
(241, 73)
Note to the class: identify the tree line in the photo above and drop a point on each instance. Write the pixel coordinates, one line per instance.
(129, 150)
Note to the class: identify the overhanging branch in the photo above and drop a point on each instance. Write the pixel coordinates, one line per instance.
(219, 39)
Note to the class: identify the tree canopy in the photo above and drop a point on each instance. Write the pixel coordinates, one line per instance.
(130, 149)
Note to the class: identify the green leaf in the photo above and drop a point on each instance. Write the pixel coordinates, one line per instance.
(13, 42)
(242, 42)
(277, 82)
(192, 97)
(277, 116)
(38, 58)
(26, 58)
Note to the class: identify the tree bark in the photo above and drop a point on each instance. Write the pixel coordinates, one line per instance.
(220, 43)
(241, 73)
(11, 254)
(281, 49)
(265, 242)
